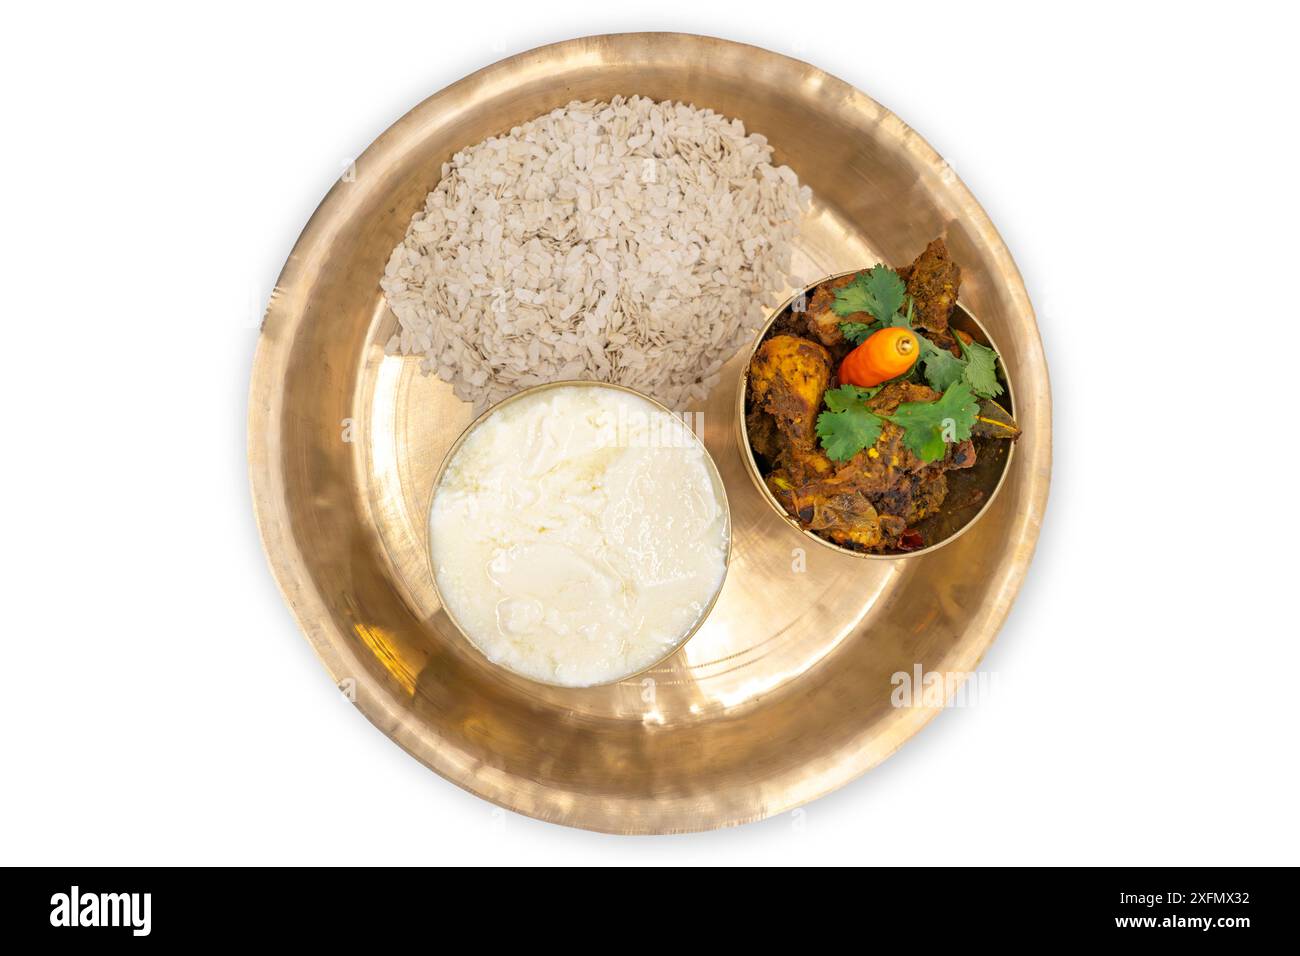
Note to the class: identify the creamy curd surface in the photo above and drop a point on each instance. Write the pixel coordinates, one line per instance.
(579, 534)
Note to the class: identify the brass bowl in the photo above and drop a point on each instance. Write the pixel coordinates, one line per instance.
(783, 694)
(718, 487)
(978, 484)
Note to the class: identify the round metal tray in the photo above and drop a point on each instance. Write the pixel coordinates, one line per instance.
(784, 693)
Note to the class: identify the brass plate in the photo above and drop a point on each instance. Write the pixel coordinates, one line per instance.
(784, 693)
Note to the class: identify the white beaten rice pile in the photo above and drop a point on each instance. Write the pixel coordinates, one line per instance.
(631, 242)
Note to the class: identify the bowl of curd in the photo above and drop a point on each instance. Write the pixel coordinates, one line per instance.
(579, 533)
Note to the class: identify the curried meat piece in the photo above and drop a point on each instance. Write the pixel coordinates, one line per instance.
(824, 322)
(787, 379)
(763, 436)
(896, 393)
(836, 508)
(927, 495)
(933, 281)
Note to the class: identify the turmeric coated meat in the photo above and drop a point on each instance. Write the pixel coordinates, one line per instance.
(933, 281)
(823, 322)
(787, 379)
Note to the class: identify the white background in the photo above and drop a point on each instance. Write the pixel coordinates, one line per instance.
(158, 703)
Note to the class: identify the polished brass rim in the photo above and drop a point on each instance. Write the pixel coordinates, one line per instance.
(719, 488)
(756, 475)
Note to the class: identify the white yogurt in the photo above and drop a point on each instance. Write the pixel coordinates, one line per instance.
(578, 535)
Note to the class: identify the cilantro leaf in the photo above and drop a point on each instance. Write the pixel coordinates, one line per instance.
(852, 299)
(879, 291)
(838, 399)
(849, 426)
(929, 426)
(981, 369)
(858, 332)
(942, 368)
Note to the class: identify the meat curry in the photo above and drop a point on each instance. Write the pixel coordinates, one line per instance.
(873, 499)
